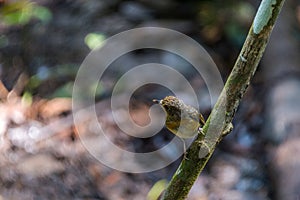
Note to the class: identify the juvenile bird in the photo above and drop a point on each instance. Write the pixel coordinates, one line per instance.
(181, 119)
(186, 122)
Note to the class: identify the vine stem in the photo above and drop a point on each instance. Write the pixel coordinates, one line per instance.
(228, 101)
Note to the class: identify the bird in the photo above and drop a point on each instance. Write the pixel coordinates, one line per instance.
(181, 119)
(186, 122)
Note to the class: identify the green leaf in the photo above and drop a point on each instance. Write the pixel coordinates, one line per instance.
(27, 99)
(94, 40)
(42, 13)
(64, 91)
(157, 189)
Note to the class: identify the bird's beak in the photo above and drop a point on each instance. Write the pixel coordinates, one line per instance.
(156, 101)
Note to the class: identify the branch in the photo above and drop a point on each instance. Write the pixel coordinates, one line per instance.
(223, 112)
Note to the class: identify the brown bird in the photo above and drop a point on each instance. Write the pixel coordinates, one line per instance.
(181, 119)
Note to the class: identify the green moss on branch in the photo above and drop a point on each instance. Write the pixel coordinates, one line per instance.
(224, 110)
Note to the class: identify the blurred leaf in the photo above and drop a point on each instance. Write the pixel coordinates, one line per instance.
(94, 40)
(245, 12)
(67, 89)
(16, 12)
(21, 12)
(157, 189)
(34, 82)
(42, 13)
(64, 70)
(27, 99)
(64, 91)
(235, 33)
(98, 88)
(231, 19)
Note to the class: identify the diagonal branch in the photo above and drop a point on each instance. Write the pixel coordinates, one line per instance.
(224, 110)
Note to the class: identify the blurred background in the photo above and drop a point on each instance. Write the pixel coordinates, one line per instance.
(42, 45)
